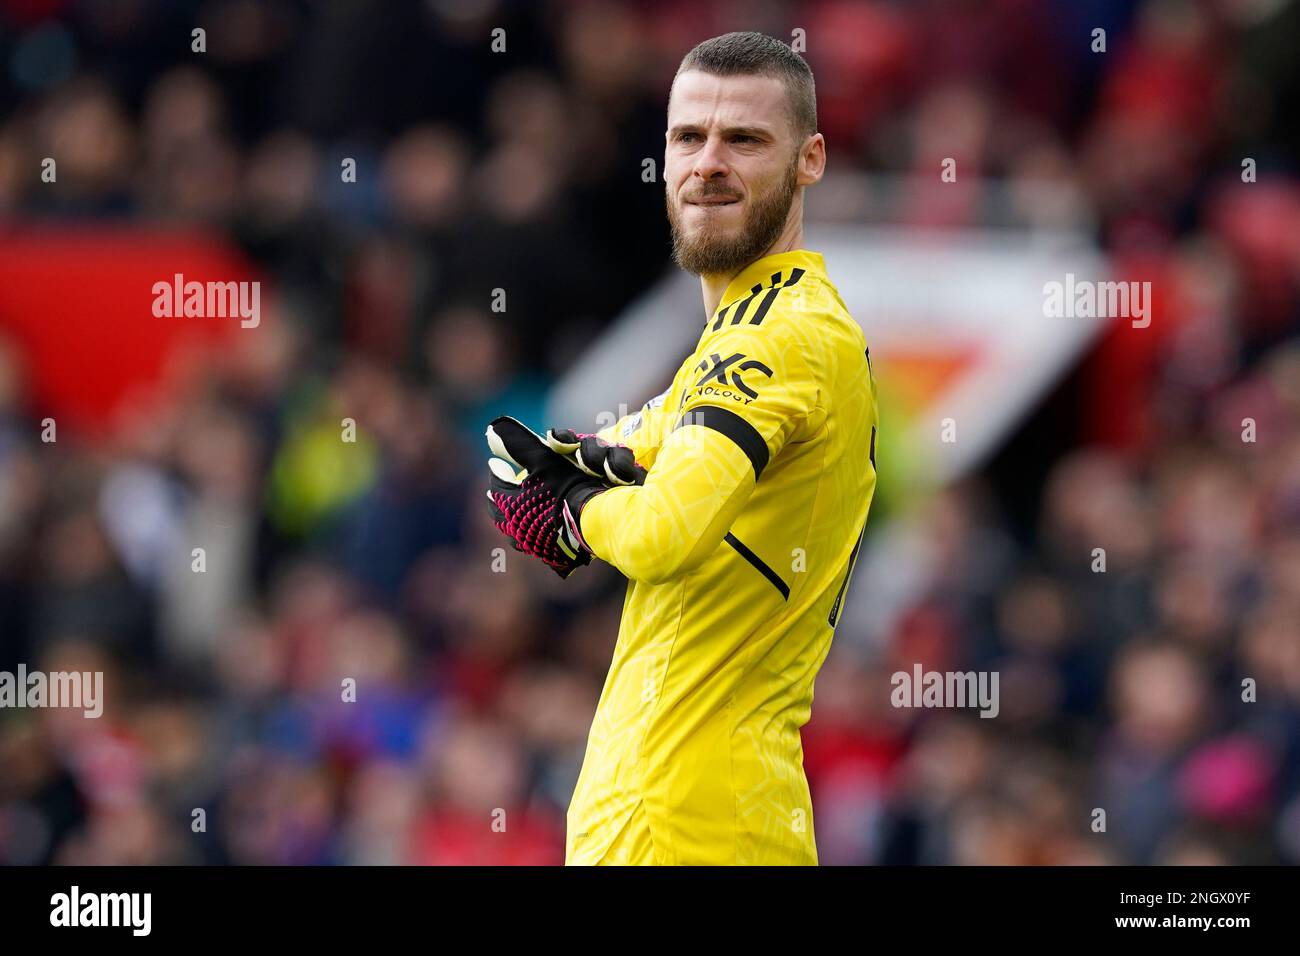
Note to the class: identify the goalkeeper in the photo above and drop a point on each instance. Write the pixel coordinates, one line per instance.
(734, 502)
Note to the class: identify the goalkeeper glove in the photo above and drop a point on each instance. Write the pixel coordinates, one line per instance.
(614, 463)
(538, 510)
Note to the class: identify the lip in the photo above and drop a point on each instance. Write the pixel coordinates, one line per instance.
(712, 202)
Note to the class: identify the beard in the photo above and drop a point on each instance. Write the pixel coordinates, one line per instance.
(710, 252)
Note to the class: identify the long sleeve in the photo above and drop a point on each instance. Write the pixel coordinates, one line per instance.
(739, 408)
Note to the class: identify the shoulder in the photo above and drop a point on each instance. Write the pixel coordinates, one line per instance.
(797, 314)
(810, 318)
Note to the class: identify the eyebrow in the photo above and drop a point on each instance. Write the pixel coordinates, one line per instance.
(726, 130)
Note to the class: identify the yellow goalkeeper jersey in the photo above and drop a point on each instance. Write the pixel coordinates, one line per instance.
(738, 551)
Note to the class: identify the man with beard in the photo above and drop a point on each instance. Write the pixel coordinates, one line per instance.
(739, 539)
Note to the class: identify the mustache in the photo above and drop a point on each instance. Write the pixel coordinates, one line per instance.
(717, 193)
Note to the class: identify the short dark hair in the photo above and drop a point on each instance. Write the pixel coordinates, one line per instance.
(745, 54)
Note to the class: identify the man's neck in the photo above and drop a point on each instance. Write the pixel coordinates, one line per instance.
(713, 286)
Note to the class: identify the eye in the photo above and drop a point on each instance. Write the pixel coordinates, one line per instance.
(743, 138)
(687, 137)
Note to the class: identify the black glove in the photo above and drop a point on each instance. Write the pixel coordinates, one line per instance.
(538, 512)
(613, 462)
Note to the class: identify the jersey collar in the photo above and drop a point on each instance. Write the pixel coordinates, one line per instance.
(758, 275)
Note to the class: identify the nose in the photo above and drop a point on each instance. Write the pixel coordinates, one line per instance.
(711, 160)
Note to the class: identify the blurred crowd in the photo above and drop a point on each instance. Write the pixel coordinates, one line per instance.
(225, 736)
